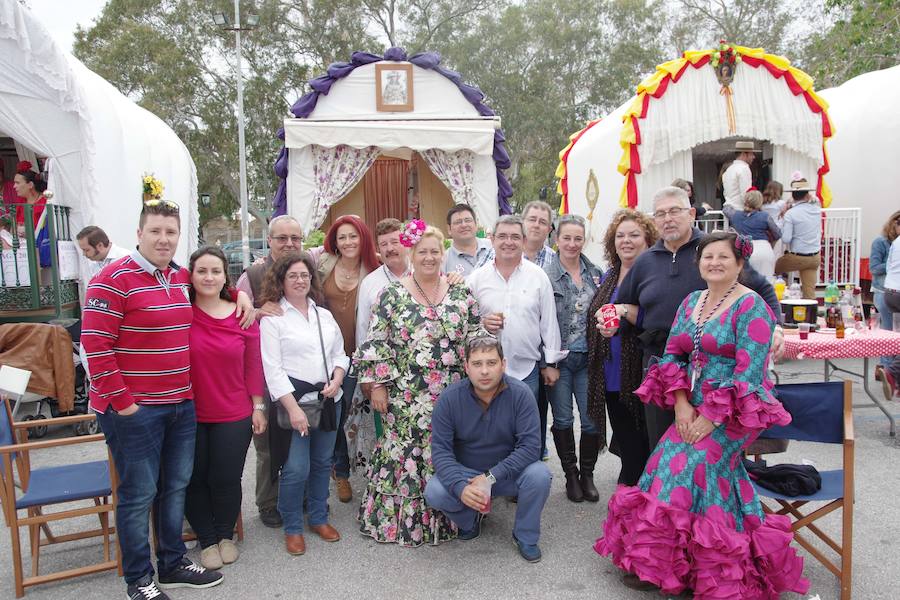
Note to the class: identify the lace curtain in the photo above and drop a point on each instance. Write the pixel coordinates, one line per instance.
(336, 171)
(455, 170)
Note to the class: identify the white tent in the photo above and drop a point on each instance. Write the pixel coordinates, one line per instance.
(680, 113)
(98, 142)
(442, 125)
(863, 159)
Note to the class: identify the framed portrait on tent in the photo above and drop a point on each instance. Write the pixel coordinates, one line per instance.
(393, 87)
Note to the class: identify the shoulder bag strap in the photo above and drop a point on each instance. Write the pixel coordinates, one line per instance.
(322, 345)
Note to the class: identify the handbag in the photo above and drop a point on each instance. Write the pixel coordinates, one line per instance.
(320, 413)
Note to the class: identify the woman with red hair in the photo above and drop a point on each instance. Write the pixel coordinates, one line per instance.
(346, 258)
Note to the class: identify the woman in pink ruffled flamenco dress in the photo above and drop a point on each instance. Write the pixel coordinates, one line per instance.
(694, 522)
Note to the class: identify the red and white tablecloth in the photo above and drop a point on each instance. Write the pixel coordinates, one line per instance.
(822, 346)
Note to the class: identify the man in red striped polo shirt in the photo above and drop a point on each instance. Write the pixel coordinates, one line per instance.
(136, 322)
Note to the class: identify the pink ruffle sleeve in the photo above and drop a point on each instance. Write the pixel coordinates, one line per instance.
(741, 404)
(662, 381)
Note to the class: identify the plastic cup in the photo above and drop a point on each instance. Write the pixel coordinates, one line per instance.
(804, 331)
(485, 486)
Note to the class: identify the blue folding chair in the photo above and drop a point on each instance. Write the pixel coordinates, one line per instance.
(53, 486)
(823, 413)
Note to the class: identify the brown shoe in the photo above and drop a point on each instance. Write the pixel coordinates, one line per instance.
(344, 491)
(326, 532)
(295, 544)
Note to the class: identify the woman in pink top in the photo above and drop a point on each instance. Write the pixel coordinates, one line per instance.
(227, 377)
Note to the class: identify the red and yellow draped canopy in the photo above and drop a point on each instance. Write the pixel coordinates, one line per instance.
(655, 87)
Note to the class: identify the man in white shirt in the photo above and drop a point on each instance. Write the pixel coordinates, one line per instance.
(738, 177)
(98, 252)
(538, 220)
(395, 257)
(517, 305)
(467, 252)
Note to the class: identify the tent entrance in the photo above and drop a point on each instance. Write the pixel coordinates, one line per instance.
(712, 158)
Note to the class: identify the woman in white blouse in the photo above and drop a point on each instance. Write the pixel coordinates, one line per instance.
(293, 358)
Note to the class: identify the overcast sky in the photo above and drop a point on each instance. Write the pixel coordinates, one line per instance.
(61, 16)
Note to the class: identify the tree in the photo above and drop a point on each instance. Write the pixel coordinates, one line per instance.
(753, 23)
(865, 37)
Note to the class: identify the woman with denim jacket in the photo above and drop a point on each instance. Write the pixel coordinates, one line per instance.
(878, 255)
(575, 280)
(614, 370)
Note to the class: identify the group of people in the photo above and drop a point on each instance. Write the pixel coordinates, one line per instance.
(884, 264)
(458, 353)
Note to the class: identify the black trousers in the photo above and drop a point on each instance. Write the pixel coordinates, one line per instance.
(629, 440)
(213, 499)
(658, 419)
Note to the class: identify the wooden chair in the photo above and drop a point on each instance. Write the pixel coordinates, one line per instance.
(52, 486)
(821, 412)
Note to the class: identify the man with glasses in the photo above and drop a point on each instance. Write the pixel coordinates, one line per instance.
(467, 252)
(661, 278)
(538, 218)
(136, 331)
(517, 305)
(285, 235)
(484, 443)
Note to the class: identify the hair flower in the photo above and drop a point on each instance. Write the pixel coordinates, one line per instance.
(744, 245)
(412, 232)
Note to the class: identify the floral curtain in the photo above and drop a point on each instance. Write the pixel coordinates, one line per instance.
(455, 170)
(336, 171)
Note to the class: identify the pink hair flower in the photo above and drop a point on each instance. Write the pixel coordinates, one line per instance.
(412, 232)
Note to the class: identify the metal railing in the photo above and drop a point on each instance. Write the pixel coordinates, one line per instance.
(25, 284)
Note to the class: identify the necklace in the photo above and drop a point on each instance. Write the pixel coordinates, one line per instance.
(698, 331)
(424, 295)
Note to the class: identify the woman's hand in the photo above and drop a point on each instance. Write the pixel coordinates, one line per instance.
(379, 399)
(299, 420)
(606, 332)
(684, 417)
(269, 309)
(699, 429)
(260, 422)
(337, 379)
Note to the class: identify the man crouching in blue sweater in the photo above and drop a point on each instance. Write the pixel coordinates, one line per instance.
(485, 434)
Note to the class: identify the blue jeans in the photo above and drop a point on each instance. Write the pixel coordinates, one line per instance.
(532, 486)
(341, 459)
(309, 460)
(573, 379)
(887, 321)
(536, 385)
(154, 453)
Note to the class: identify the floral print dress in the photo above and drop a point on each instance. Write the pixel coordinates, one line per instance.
(694, 520)
(416, 351)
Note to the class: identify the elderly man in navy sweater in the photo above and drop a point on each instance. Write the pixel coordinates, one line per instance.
(485, 429)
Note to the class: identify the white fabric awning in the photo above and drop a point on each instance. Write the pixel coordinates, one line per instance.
(449, 135)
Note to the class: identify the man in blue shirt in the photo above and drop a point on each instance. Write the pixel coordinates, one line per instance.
(485, 435)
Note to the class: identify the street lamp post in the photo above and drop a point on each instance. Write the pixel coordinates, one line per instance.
(252, 20)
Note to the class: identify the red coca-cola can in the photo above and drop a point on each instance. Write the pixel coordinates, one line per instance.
(609, 315)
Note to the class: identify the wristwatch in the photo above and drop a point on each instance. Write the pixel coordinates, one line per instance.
(261, 407)
(552, 365)
(490, 477)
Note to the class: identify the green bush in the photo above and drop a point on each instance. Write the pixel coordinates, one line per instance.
(314, 239)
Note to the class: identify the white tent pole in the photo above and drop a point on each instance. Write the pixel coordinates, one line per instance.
(242, 158)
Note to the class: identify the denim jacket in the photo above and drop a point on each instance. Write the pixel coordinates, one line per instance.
(565, 291)
(878, 262)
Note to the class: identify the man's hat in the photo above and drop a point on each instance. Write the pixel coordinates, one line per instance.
(799, 183)
(745, 147)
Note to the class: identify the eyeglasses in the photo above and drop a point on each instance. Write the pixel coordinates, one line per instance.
(284, 239)
(167, 203)
(468, 221)
(672, 212)
(296, 276)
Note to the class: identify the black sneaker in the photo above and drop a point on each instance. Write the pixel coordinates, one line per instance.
(471, 534)
(190, 575)
(145, 589)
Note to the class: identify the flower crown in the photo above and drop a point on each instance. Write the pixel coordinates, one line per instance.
(744, 245)
(412, 232)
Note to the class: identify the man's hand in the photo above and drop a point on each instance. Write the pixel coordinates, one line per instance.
(269, 309)
(379, 398)
(259, 260)
(453, 278)
(472, 495)
(550, 375)
(493, 322)
(245, 311)
(778, 343)
(129, 411)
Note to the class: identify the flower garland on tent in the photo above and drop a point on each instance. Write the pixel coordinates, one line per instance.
(670, 72)
(426, 60)
(562, 174)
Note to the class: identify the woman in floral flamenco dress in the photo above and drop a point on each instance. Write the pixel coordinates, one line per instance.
(414, 349)
(694, 522)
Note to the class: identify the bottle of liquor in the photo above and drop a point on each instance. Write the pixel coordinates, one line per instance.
(839, 327)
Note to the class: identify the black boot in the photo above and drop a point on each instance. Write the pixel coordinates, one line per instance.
(589, 449)
(565, 447)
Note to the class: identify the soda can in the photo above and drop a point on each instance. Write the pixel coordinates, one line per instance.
(609, 316)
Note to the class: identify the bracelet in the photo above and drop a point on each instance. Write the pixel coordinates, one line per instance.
(261, 407)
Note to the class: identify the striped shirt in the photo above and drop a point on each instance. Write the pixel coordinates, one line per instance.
(135, 331)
